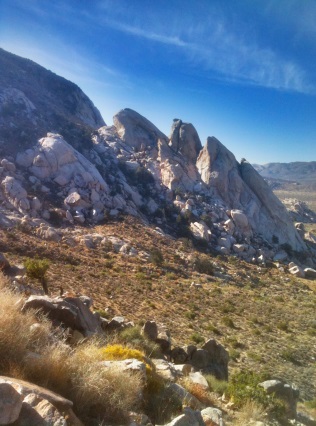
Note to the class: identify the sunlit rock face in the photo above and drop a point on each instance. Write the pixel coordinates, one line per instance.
(241, 187)
(136, 131)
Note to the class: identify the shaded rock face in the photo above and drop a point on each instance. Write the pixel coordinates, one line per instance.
(34, 101)
(273, 217)
(136, 131)
(185, 140)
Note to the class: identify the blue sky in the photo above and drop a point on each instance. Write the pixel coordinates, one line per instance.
(243, 71)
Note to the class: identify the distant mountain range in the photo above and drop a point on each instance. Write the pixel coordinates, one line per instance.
(302, 172)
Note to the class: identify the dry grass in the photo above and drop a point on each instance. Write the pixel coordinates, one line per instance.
(34, 354)
(17, 336)
(250, 412)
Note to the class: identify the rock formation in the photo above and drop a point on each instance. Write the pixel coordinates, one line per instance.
(185, 140)
(135, 130)
(130, 168)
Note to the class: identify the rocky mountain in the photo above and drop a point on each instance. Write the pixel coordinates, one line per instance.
(128, 168)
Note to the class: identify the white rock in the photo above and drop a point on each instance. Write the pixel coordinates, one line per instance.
(198, 379)
(239, 248)
(132, 365)
(225, 242)
(239, 218)
(213, 415)
(297, 271)
(25, 159)
(310, 273)
(200, 230)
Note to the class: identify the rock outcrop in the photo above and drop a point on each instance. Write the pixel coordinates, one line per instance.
(24, 403)
(136, 131)
(131, 168)
(69, 312)
(185, 140)
(242, 188)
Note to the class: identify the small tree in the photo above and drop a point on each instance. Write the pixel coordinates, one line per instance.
(37, 268)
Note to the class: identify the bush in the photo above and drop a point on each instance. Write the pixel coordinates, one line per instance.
(160, 402)
(203, 265)
(228, 322)
(132, 336)
(36, 268)
(199, 392)
(156, 257)
(244, 387)
(97, 393)
(197, 338)
(119, 352)
(251, 412)
(214, 329)
(218, 386)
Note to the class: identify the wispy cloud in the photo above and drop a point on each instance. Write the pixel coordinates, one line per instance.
(149, 35)
(233, 57)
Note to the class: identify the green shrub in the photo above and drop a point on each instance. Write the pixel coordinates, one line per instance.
(203, 265)
(156, 257)
(133, 337)
(218, 386)
(190, 315)
(36, 268)
(214, 329)
(283, 325)
(243, 386)
(311, 403)
(290, 356)
(228, 322)
(197, 338)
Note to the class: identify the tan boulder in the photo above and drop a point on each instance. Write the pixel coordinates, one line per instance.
(136, 131)
(10, 403)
